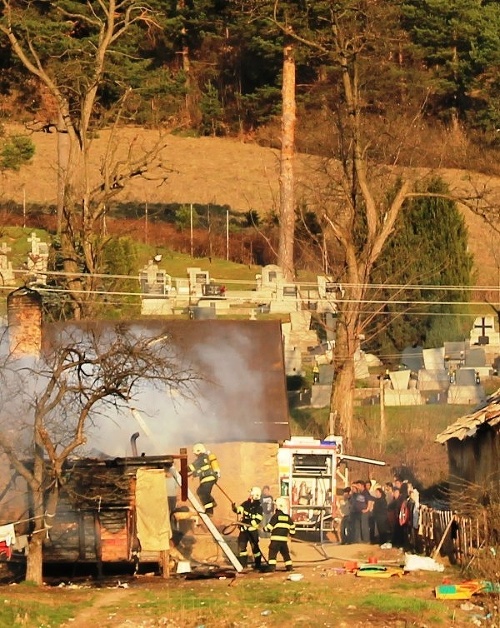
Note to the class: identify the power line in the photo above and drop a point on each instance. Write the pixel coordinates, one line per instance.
(300, 284)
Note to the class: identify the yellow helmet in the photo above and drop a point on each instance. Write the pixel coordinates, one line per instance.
(199, 448)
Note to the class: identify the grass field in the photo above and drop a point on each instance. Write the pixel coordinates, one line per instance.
(325, 597)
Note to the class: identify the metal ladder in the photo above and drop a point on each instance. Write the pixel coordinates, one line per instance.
(219, 539)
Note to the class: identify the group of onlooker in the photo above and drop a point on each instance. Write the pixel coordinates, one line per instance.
(384, 515)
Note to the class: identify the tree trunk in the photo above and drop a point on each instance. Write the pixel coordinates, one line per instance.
(346, 344)
(287, 194)
(342, 398)
(34, 560)
(191, 114)
(63, 155)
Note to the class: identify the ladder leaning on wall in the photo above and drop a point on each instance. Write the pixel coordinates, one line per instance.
(219, 539)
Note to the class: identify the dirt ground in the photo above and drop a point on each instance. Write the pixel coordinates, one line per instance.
(327, 595)
(225, 171)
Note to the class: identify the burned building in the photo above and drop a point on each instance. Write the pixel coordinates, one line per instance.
(238, 408)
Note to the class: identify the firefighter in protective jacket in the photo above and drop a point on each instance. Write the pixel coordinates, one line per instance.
(205, 467)
(281, 528)
(251, 517)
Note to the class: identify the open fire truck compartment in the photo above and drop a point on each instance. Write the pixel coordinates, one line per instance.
(309, 472)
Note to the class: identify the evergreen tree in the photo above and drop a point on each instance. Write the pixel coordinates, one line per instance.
(15, 150)
(429, 252)
(459, 43)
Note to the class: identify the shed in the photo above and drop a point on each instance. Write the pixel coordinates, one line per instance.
(473, 444)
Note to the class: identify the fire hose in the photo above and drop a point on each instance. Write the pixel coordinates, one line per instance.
(224, 493)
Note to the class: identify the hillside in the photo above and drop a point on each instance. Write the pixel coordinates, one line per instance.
(229, 172)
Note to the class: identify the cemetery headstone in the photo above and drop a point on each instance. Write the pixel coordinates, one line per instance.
(154, 281)
(6, 273)
(412, 358)
(197, 279)
(38, 258)
(483, 326)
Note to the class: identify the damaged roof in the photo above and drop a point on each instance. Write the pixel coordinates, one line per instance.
(486, 414)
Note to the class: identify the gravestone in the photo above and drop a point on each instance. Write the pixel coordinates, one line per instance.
(434, 377)
(38, 258)
(268, 281)
(154, 281)
(182, 288)
(329, 292)
(197, 279)
(410, 397)
(412, 358)
(484, 332)
(433, 380)
(330, 325)
(156, 290)
(272, 290)
(326, 373)
(400, 379)
(361, 370)
(466, 388)
(6, 273)
(465, 377)
(475, 357)
(433, 359)
(454, 355)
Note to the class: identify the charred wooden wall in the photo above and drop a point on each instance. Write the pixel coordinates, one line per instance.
(475, 461)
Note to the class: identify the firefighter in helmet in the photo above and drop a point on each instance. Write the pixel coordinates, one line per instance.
(281, 528)
(251, 517)
(205, 467)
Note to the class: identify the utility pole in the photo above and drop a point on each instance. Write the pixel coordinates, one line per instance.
(191, 228)
(383, 424)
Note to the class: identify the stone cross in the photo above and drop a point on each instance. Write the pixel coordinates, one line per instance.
(483, 325)
(35, 243)
(483, 331)
(6, 272)
(38, 259)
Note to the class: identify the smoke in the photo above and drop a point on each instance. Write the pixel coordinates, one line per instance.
(222, 406)
(230, 398)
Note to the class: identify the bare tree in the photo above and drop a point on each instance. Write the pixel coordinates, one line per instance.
(68, 49)
(357, 201)
(83, 374)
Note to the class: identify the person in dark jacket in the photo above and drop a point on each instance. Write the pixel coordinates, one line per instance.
(281, 528)
(394, 507)
(251, 515)
(380, 517)
(206, 468)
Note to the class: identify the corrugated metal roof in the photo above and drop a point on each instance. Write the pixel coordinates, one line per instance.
(466, 426)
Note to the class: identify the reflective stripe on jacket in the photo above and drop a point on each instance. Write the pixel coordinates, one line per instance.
(281, 526)
(251, 514)
(202, 468)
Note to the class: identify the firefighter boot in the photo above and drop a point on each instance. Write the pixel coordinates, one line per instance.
(289, 568)
(267, 568)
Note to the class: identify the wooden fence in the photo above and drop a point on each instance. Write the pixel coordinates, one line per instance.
(463, 536)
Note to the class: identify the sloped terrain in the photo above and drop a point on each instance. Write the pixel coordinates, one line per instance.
(225, 171)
